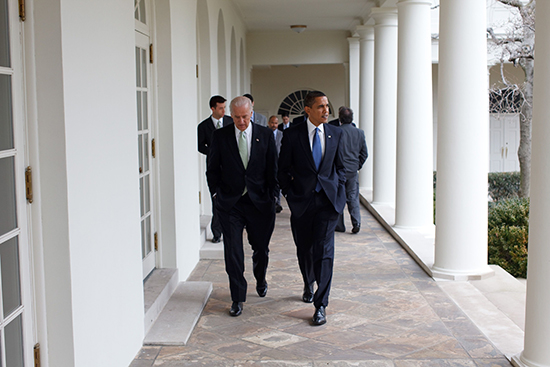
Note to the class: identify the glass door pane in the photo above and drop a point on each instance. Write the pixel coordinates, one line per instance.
(144, 152)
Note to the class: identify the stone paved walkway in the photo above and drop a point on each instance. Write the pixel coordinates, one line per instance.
(384, 311)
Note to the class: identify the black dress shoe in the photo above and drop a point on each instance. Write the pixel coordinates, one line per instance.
(355, 229)
(216, 240)
(319, 317)
(261, 289)
(340, 229)
(236, 309)
(278, 208)
(307, 297)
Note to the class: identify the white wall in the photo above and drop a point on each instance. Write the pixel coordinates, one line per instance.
(89, 193)
(271, 85)
(103, 183)
(290, 48)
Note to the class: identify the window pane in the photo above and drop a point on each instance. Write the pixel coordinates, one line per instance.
(14, 343)
(141, 196)
(138, 69)
(145, 153)
(143, 68)
(145, 115)
(8, 213)
(142, 14)
(4, 34)
(6, 123)
(143, 252)
(148, 235)
(139, 110)
(9, 265)
(146, 195)
(140, 153)
(136, 13)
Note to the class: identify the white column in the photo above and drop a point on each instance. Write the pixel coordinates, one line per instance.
(366, 98)
(385, 105)
(463, 142)
(354, 75)
(414, 185)
(537, 322)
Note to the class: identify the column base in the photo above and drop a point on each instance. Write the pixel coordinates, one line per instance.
(478, 274)
(520, 361)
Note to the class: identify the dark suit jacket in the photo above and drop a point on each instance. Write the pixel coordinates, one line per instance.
(298, 120)
(281, 127)
(335, 122)
(205, 130)
(298, 176)
(227, 176)
(354, 148)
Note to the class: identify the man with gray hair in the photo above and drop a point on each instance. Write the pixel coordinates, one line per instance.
(354, 153)
(241, 174)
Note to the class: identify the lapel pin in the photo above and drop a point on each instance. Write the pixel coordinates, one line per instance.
(257, 139)
(330, 136)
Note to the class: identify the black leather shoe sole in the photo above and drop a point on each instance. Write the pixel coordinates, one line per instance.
(355, 230)
(236, 309)
(216, 240)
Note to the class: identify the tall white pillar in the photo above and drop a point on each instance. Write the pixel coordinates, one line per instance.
(462, 149)
(366, 98)
(537, 322)
(354, 75)
(385, 105)
(414, 185)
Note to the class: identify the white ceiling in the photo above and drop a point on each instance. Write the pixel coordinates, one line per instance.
(279, 15)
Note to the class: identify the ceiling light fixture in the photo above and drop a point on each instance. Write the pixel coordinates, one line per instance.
(298, 28)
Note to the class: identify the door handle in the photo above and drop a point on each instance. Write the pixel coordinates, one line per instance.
(506, 152)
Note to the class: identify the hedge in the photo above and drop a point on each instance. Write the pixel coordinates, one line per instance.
(508, 235)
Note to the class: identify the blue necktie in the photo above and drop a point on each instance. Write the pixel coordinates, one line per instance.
(316, 149)
(317, 154)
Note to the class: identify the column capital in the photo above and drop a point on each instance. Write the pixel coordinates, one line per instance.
(365, 32)
(353, 42)
(384, 16)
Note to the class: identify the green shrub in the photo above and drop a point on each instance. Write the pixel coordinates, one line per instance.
(509, 235)
(503, 185)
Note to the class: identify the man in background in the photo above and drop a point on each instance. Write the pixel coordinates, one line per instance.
(273, 124)
(256, 118)
(217, 120)
(354, 154)
(286, 122)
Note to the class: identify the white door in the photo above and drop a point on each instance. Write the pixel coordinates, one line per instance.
(504, 143)
(16, 337)
(145, 141)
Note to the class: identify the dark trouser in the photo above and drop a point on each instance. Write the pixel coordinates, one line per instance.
(215, 224)
(259, 227)
(352, 200)
(313, 234)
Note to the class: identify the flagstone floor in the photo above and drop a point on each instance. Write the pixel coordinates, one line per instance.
(384, 311)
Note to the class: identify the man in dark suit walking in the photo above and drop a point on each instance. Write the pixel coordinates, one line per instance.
(241, 174)
(217, 120)
(354, 155)
(286, 122)
(312, 178)
(273, 124)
